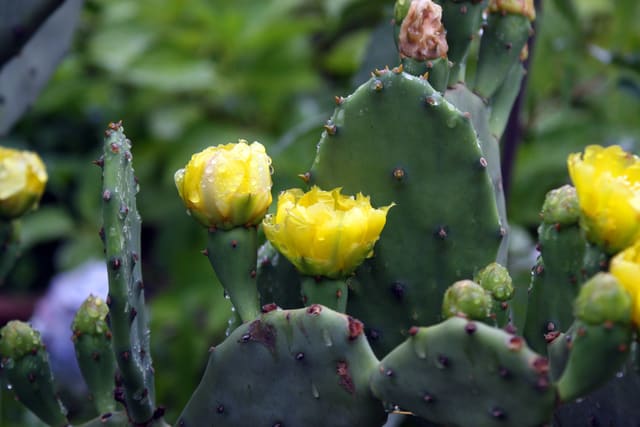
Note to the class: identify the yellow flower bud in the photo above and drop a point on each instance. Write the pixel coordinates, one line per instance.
(626, 268)
(22, 180)
(227, 186)
(607, 181)
(324, 233)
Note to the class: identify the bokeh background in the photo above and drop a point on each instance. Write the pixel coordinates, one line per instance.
(183, 75)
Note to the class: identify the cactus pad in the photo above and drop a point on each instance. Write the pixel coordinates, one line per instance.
(465, 373)
(309, 362)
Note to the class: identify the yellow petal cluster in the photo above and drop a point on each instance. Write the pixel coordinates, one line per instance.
(228, 185)
(625, 266)
(325, 233)
(607, 181)
(23, 177)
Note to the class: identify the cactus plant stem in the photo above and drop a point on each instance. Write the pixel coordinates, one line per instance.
(233, 256)
(331, 293)
(126, 296)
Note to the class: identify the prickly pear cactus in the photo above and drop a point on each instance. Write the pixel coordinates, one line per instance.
(300, 367)
(399, 140)
(458, 364)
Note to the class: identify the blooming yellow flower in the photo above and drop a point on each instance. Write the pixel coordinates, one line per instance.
(227, 186)
(607, 181)
(325, 233)
(22, 180)
(625, 266)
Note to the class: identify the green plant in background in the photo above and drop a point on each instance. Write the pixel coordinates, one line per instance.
(414, 136)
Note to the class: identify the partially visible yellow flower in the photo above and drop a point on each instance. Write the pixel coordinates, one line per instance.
(607, 181)
(626, 268)
(325, 233)
(22, 180)
(227, 186)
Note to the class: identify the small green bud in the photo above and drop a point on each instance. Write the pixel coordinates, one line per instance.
(466, 298)
(90, 318)
(18, 339)
(496, 279)
(561, 206)
(602, 299)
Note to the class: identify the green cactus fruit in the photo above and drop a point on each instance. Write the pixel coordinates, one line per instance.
(233, 256)
(313, 364)
(462, 20)
(92, 341)
(600, 338)
(502, 100)
(505, 35)
(496, 280)
(468, 299)
(396, 139)
(121, 235)
(25, 363)
(278, 279)
(559, 272)
(558, 352)
(561, 206)
(465, 373)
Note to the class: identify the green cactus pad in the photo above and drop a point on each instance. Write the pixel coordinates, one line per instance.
(464, 373)
(128, 313)
(462, 20)
(92, 342)
(398, 140)
(25, 363)
(306, 367)
(472, 106)
(558, 274)
(502, 41)
(597, 352)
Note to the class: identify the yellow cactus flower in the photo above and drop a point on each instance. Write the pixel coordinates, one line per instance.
(625, 266)
(22, 180)
(228, 185)
(607, 181)
(325, 233)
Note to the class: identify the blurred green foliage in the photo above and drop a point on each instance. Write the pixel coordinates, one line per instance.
(186, 75)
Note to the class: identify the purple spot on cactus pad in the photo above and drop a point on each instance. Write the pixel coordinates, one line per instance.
(260, 332)
(428, 398)
(314, 309)
(398, 290)
(105, 417)
(355, 328)
(346, 382)
(470, 328)
(220, 409)
(269, 307)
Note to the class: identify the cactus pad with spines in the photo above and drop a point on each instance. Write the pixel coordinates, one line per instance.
(398, 140)
(25, 363)
(313, 366)
(121, 233)
(92, 342)
(464, 373)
